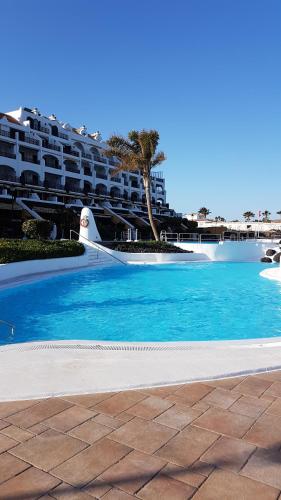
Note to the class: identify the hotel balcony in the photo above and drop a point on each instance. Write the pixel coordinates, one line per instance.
(101, 176)
(30, 140)
(7, 154)
(86, 155)
(72, 168)
(47, 145)
(71, 185)
(6, 133)
(100, 159)
(87, 171)
(68, 151)
(62, 136)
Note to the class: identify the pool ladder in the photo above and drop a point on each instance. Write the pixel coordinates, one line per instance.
(10, 325)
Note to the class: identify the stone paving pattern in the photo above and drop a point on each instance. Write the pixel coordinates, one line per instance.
(218, 440)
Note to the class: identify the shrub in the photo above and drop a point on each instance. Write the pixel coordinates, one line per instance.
(145, 247)
(37, 229)
(18, 250)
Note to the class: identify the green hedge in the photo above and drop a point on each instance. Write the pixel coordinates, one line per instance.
(18, 250)
(145, 247)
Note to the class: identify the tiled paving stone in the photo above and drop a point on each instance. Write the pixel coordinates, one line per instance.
(252, 386)
(112, 422)
(3, 424)
(194, 392)
(30, 484)
(48, 449)
(67, 492)
(227, 453)
(224, 422)
(37, 413)
(16, 433)
(250, 406)
(265, 466)
(97, 488)
(91, 463)
(218, 440)
(185, 475)
(10, 407)
(187, 446)
(70, 418)
(115, 494)
(143, 435)
(166, 488)
(90, 431)
(266, 432)
(274, 390)
(225, 485)
(6, 443)
(88, 400)
(226, 383)
(119, 402)
(133, 471)
(10, 466)
(150, 407)
(178, 416)
(220, 398)
(274, 408)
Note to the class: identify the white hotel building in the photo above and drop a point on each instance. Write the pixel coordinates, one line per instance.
(46, 163)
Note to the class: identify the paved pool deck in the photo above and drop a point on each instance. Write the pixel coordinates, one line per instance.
(218, 440)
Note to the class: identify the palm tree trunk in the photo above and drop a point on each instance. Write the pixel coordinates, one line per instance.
(146, 183)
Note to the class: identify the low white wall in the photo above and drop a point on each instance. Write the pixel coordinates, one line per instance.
(234, 251)
(29, 267)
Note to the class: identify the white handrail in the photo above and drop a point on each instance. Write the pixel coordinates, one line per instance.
(99, 247)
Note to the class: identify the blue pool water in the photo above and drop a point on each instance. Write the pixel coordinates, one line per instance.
(194, 301)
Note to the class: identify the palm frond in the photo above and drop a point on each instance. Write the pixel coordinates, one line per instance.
(158, 158)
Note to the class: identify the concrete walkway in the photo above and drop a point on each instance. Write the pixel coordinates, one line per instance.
(219, 440)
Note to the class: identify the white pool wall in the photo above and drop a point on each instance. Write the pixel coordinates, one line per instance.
(30, 267)
(232, 251)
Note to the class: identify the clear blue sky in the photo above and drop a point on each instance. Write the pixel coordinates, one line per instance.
(205, 73)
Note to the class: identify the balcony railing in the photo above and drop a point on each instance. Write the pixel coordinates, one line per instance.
(53, 184)
(5, 133)
(8, 177)
(44, 129)
(73, 187)
(115, 179)
(62, 136)
(72, 168)
(113, 162)
(101, 176)
(70, 152)
(7, 154)
(30, 160)
(30, 140)
(54, 147)
(100, 159)
(86, 155)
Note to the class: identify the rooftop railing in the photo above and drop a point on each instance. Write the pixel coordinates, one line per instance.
(210, 238)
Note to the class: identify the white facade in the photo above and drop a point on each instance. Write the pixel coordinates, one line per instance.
(45, 155)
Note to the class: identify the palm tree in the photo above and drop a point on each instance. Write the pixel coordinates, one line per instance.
(138, 152)
(279, 212)
(219, 219)
(204, 211)
(248, 215)
(266, 214)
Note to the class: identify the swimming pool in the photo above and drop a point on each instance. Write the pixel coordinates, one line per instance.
(185, 302)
